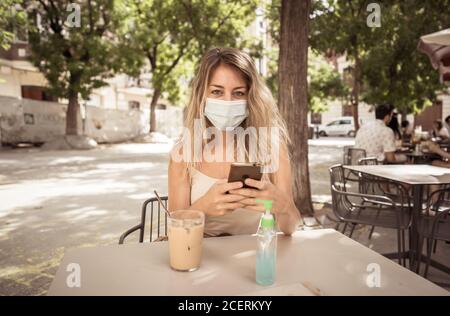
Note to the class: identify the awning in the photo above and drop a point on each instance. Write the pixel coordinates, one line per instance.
(437, 47)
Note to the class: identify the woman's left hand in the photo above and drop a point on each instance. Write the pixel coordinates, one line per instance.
(263, 190)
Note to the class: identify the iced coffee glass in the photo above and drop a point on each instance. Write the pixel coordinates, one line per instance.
(185, 232)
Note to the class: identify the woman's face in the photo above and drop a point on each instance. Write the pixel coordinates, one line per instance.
(227, 84)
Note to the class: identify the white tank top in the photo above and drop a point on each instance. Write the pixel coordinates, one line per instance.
(239, 222)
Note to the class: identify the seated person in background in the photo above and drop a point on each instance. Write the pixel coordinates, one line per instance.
(433, 147)
(439, 130)
(395, 126)
(406, 132)
(447, 123)
(376, 138)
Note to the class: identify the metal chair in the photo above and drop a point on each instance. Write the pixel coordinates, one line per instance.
(434, 224)
(370, 209)
(369, 161)
(161, 218)
(351, 157)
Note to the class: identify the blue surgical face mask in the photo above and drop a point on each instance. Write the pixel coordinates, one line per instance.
(226, 114)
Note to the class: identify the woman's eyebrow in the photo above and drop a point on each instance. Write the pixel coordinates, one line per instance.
(243, 87)
(218, 86)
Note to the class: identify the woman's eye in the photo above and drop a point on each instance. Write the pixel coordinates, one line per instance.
(216, 92)
(239, 93)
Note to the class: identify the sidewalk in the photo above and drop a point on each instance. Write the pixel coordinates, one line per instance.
(55, 200)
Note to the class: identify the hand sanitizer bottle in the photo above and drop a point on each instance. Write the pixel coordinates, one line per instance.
(266, 252)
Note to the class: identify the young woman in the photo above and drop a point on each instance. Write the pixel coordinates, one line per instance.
(228, 93)
(439, 130)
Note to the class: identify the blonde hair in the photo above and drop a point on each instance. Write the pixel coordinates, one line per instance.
(262, 108)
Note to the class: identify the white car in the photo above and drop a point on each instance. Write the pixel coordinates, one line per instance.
(338, 127)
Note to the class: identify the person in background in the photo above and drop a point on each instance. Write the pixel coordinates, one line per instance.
(395, 126)
(433, 147)
(440, 131)
(376, 138)
(447, 123)
(406, 132)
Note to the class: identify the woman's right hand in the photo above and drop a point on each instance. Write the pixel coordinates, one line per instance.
(217, 202)
(432, 146)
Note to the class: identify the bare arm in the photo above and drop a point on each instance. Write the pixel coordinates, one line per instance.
(179, 186)
(389, 156)
(280, 192)
(215, 202)
(436, 149)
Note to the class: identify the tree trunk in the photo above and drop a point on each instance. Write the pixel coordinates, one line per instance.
(293, 99)
(356, 91)
(73, 115)
(155, 97)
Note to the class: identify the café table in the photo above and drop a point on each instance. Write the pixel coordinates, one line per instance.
(310, 263)
(417, 177)
(422, 157)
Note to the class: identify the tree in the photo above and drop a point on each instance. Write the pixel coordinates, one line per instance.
(71, 44)
(293, 93)
(339, 27)
(324, 82)
(170, 34)
(395, 71)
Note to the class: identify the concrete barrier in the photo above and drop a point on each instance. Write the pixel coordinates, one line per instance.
(24, 120)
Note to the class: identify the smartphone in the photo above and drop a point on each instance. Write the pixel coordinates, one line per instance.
(242, 171)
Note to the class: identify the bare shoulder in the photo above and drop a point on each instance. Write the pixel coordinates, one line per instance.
(177, 162)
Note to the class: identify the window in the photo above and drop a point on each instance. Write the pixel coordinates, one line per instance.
(161, 106)
(37, 93)
(134, 105)
(334, 123)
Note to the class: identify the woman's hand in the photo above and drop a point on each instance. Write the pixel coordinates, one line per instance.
(432, 146)
(217, 202)
(263, 190)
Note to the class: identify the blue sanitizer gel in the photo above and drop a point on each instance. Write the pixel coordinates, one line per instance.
(266, 252)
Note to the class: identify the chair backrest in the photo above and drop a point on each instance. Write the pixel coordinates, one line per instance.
(346, 156)
(368, 161)
(344, 202)
(337, 182)
(161, 216)
(352, 155)
(158, 220)
(438, 210)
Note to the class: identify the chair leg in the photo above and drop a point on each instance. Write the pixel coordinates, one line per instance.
(344, 229)
(419, 254)
(337, 226)
(371, 232)
(403, 247)
(399, 246)
(429, 248)
(353, 229)
(434, 246)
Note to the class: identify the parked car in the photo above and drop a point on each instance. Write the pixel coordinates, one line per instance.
(340, 126)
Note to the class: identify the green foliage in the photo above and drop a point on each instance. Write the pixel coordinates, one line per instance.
(172, 35)
(75, 59)
(324, 82)
(392, 70)
(12, 20)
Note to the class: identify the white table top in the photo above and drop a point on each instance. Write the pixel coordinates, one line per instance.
(409, 174)
(323, 260)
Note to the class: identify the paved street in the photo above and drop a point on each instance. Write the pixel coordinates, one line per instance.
(54, 200)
